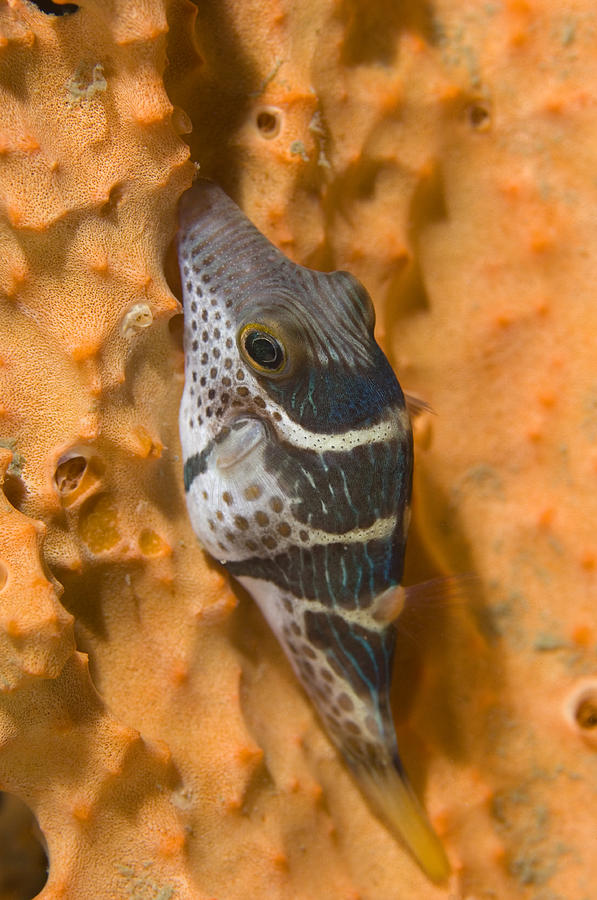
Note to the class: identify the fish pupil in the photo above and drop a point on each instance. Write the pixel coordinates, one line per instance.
(264, 350)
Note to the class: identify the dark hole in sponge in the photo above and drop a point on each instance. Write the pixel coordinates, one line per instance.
(55, 9)
(268, 123)
(479, 116)
(23, 858)
(69, 472)
(586, 712)
(15, 492)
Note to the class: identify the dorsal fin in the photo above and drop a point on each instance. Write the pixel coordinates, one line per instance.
(446, 590)
(389, 604)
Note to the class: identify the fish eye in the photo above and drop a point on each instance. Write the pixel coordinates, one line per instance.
(262, 349)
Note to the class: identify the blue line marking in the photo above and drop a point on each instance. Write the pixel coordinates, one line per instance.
(344, 572)
(327, 575)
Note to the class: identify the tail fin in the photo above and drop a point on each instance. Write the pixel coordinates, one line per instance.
(394, 802)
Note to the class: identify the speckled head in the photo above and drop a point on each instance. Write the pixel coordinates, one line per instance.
(302, 338)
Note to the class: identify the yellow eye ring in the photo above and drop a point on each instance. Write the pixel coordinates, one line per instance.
(262, 349)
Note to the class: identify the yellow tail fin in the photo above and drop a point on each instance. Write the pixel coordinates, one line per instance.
(393, 800)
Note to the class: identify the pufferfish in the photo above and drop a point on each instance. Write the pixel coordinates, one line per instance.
(297, 450)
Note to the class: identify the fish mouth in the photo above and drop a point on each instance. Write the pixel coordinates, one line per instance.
(244, 436)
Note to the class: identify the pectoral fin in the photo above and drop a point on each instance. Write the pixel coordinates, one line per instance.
(416, 405)
(244, 436)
